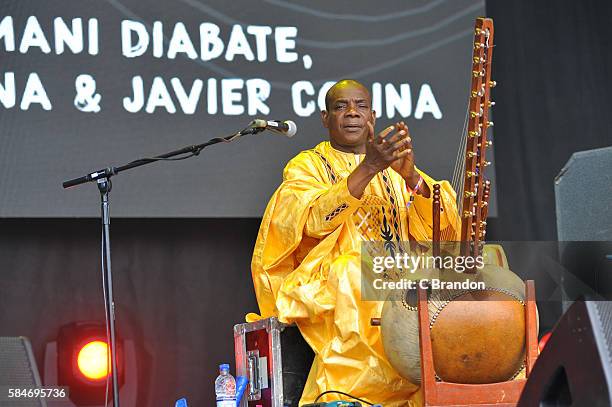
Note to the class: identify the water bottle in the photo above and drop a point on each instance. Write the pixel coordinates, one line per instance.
(225, 387)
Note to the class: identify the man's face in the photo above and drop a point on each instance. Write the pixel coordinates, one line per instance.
(349, 111)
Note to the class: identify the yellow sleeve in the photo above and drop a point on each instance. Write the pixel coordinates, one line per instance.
(330, 205)
(305, 203)
(330, 210)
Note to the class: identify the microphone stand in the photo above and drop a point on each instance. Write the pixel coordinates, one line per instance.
(103, 180)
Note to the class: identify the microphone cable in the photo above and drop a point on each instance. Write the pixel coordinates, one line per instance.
(107, 322)
(196, 152)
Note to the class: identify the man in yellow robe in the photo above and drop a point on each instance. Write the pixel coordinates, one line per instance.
(306, 264)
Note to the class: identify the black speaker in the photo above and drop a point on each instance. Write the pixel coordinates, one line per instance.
(583, 190)
(18, 370)
(575, 367)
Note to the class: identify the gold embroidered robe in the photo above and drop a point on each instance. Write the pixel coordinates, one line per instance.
(306, 267)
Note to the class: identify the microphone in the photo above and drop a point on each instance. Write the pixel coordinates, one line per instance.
(287, 128)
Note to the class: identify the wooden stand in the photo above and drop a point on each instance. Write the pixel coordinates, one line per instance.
(436, 221)
(438, 394)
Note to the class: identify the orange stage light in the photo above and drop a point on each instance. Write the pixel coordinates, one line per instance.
(82, 361)
(92, 360)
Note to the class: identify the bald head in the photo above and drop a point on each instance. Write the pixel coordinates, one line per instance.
(341, 85)
(347, 113)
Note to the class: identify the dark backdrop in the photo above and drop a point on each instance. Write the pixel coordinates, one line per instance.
(553, 61)
(428, 39)
(182, 284)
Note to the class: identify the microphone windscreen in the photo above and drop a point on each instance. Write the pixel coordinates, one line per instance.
(292, 128)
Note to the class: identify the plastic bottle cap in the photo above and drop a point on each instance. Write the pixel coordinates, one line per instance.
(224, 366)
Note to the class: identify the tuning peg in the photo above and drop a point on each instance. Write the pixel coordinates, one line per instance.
(479, 31)
(485, 164)
(491, 103)
(478, 45)
(480, 92)
(469, 194)
(489, 124)
(478, 60)
(470, 174)
(467, 214)
(474, 114)
(488, 143)
(492, 84)
(473, 133)
(471, 154)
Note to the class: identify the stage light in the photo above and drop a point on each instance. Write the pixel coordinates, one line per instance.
(78, 359)
(83, 364)
(92, 360)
